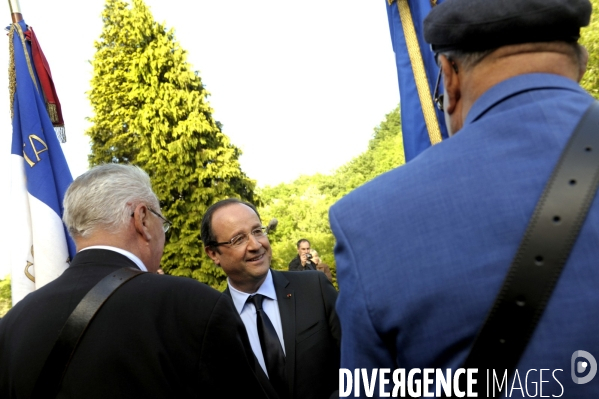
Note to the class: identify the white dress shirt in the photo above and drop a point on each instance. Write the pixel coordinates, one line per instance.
(247, 311)
(128, 254)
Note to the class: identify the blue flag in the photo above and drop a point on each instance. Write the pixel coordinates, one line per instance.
(422, 123)
(41, 247)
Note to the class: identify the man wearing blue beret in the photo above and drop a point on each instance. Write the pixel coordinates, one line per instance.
(423, 250)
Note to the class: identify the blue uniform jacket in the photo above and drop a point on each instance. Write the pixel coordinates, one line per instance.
(423, 249)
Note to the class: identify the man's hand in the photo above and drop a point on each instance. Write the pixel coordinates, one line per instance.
(303, 259)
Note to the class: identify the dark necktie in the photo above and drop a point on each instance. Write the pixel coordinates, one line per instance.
(274, 358)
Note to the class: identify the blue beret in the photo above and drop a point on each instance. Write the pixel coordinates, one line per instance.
(478, 25)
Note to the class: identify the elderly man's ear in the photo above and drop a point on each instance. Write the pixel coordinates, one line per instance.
(451, 84)
(140, 218)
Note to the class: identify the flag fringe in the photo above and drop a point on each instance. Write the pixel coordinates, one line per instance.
(58, 128)
(12, 75)
(12, 87)
(60, 133)
(420, 78)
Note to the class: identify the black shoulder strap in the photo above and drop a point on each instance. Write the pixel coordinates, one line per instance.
(50, 378)
(543, 252)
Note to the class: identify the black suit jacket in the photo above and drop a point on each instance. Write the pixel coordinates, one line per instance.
(156, 337)
(311, 332)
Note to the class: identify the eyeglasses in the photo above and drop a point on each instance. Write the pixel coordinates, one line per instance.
(166, 225)
(242, 239)
(438, 97)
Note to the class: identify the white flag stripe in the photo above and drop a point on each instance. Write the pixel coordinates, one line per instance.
(51, 254)
(39, 241)
(21, 241)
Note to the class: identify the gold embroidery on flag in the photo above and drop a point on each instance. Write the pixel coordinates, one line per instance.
(29, 264)
(29, 161)
(35, 150)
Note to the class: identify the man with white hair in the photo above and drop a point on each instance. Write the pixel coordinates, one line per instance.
(157, 336)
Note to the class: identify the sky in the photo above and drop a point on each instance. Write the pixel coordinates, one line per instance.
(298, 86)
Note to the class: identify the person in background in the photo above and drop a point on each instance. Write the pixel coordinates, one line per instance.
(321, 266)
(303, 260)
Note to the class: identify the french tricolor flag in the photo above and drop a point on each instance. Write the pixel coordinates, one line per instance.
(41, 248)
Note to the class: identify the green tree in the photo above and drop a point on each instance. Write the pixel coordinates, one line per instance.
(151, 110)
(590, 39)
(5, 296)
(385, 152)
(302, 207)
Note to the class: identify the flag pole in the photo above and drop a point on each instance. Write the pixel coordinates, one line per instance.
(15, 11)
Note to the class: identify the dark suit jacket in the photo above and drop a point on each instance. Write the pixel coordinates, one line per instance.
(311, 332)
(155, 337)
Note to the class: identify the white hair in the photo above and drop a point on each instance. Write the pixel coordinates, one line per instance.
(104, 198)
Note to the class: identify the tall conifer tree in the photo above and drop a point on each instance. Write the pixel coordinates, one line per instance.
(151, 110)
(590, 39)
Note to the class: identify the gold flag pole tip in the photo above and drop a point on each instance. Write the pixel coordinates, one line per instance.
(15, 11)
(15, 8)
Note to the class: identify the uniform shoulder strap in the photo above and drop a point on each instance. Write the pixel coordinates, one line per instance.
(543, 252)
(50, 378)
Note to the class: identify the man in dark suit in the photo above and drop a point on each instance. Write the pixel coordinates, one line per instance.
(302, 261)
(300, 307)
(156, 337)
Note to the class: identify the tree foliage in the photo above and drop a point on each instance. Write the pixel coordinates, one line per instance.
(590, 39)
(301, 207)
(151, 110)
(5, 296)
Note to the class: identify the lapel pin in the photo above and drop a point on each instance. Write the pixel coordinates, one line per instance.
(288, 295)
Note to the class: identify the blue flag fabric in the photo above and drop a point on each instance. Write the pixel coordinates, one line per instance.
(41, 247)
(422, 123)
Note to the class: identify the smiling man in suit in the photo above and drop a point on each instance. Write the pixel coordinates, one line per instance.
(289, 316)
